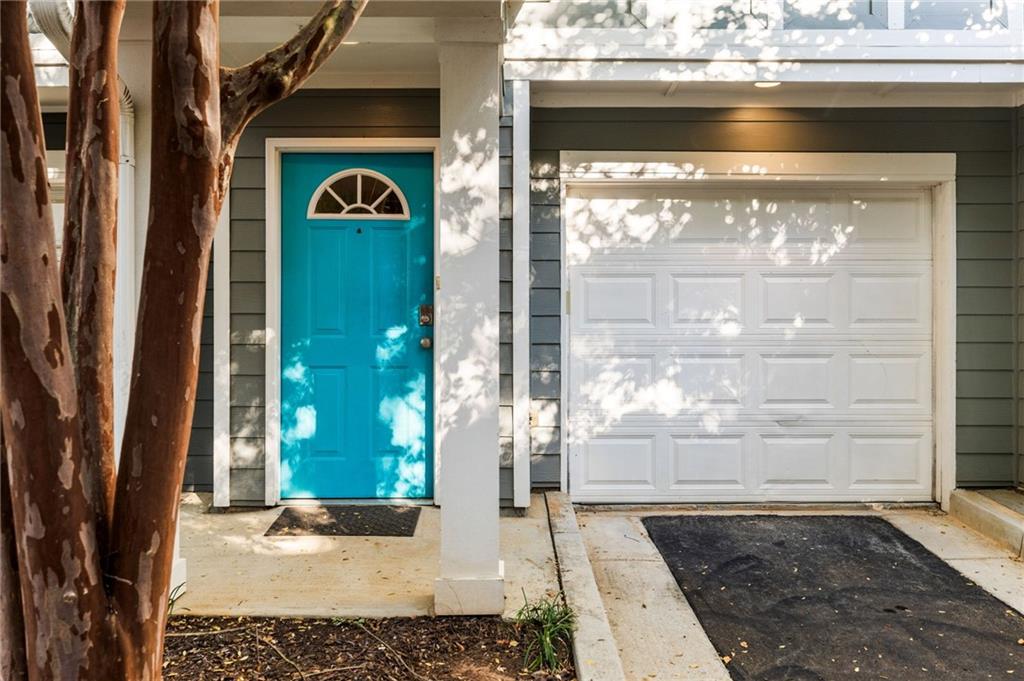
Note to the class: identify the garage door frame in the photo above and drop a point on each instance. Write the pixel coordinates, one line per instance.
(936, 172)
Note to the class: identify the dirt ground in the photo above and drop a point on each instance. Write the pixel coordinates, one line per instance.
(401, 649)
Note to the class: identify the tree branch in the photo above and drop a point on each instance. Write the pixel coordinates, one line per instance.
(90, 237)
(249, 89)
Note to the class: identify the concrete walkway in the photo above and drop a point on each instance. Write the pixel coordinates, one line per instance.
(234, 570)
(656, 631)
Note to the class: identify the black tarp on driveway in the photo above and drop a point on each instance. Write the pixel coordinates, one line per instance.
(803, 598)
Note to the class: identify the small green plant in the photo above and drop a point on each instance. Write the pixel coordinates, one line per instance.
(172, 599)
(546, 626)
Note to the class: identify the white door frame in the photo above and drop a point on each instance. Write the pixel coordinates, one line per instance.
(936, 171)
(275, 147)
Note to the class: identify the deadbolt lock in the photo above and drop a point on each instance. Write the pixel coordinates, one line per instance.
(426, 343)
(426, 315)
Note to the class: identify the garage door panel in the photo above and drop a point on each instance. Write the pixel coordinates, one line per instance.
(798, 381)
(889, 461)
(706, 301)
(619, 463)
(750, 344)
(880, 300)
(616, 300)
(895, 381)
(800, 301)
(744, 463)
(786, 226)
(811, 380)
(709, 378)
(779, 302)
(890, 216)
(799, 462)
(706, 460)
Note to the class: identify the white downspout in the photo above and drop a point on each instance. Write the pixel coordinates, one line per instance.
(54, 18)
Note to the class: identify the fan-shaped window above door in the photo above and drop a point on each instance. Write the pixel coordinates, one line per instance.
(358, 194)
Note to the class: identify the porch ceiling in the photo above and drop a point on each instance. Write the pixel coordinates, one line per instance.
(392, 45)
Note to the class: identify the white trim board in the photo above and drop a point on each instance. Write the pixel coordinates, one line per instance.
(1010, 72)
(275, 147)
(697, 96)
(937, 171)
(521, 416)
(222, 357)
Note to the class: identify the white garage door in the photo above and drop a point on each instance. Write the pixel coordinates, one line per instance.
(745, 344)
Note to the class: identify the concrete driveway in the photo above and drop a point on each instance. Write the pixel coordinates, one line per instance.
(656, 632)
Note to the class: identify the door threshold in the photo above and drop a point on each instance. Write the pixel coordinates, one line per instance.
(356, 502)
(760, 506)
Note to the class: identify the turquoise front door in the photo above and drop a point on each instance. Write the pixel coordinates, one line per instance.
(357, 271)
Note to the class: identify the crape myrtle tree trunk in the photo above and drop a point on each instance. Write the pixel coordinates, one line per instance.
(93, 556)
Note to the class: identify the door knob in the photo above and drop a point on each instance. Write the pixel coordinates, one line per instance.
(426, 343)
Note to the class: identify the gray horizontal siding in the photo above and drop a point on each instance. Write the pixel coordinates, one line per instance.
(199, 465)
(1018, 168)
(982, 140)
(505, 433)
(308, 113)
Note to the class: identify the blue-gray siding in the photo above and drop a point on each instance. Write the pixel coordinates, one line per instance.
(505, 299)
(1019, 191)
(199, 467)
(982, 138)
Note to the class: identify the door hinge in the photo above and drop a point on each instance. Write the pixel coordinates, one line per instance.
(437, 282)
(568, 302)
(533, 418)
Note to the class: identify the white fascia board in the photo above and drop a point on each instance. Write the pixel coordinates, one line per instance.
(619, 166)
(782, 71)
(273, 30)
(880, 44)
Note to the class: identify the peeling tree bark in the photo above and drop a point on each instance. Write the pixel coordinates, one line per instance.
(84, 617)
(63, 599)
(12, 627)
(182, 220)
(89, 254)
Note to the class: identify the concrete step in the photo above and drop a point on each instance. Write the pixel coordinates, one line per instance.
(998, 514)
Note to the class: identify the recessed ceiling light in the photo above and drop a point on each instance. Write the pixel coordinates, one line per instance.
(767, 83)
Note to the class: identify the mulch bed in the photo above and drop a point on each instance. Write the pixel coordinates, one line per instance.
(399, 649)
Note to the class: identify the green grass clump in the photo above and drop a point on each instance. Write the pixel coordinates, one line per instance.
(546, 626)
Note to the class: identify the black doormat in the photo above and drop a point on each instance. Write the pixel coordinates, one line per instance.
(835, 598)
(346, 521)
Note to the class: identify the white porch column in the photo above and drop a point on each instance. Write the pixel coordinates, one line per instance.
(471, 576)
